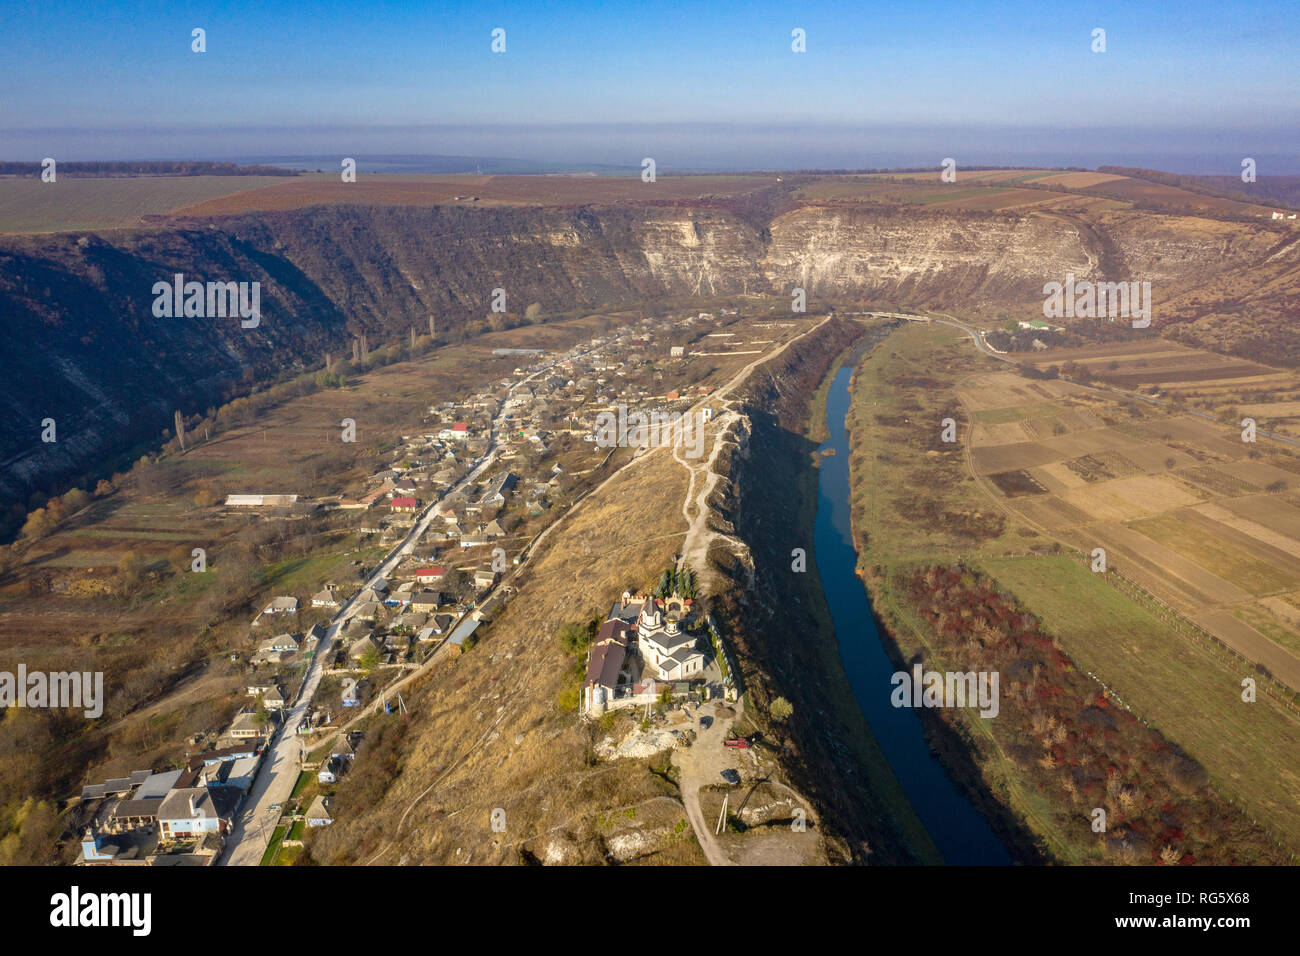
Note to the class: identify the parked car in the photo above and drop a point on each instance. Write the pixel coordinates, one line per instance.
(706, 722)
(730, 776)
(740, 742)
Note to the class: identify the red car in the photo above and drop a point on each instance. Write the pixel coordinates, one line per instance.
(741, 742)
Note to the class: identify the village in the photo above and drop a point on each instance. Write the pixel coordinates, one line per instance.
(455, 507)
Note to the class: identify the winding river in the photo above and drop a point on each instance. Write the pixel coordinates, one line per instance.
(962, 835)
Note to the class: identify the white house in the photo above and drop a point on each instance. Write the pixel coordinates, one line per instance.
(318, 814)
(192, 812)
(282, 605)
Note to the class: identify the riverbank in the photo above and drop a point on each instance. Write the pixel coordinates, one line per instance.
(908, 740)
(788, 646)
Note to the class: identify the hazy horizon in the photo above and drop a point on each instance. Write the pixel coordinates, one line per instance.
(1189, 87)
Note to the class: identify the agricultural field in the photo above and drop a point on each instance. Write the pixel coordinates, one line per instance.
(1010, 189)
(1222, 386)
(428, 190)
(1129, 190)
(1156, 488)
(29, 205)
(1202, 584)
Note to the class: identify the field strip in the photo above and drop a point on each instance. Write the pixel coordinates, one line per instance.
(1260, 508)
(1170, 568)
(1217, 513)
(1252, 645)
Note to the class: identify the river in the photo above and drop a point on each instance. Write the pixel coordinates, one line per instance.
(960, 832)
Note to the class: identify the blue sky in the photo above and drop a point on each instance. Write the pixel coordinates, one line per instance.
(712, 84)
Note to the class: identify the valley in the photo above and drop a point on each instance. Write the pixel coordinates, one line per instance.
(421, 336)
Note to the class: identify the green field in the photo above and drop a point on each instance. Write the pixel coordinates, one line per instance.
(29, 205)
(1252, 751)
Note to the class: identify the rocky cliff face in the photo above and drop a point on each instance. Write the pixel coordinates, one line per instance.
(86, 350)
(947, 259)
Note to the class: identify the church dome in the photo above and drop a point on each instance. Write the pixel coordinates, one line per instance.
(650, 615)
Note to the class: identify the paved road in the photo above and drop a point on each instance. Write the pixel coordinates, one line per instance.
(279, 770)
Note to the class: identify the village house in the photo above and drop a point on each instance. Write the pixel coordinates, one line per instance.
(403, 504)
(274, 699)
(369, 596)
(314, 636)
(430, 575)
(605, 663)
(283, 642)
(324, 598)
(367, 611)
(318, 814)
(457, 432)
(275, 650)
(436, 626)
(426, 600)
(345, 745)
(362, 646)
(245, 726)
(282, 605)
(331, 772)
(494, 493)
(196, 811)
(264, 687)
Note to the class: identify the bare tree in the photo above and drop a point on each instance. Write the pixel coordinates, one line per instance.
(180, 428)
